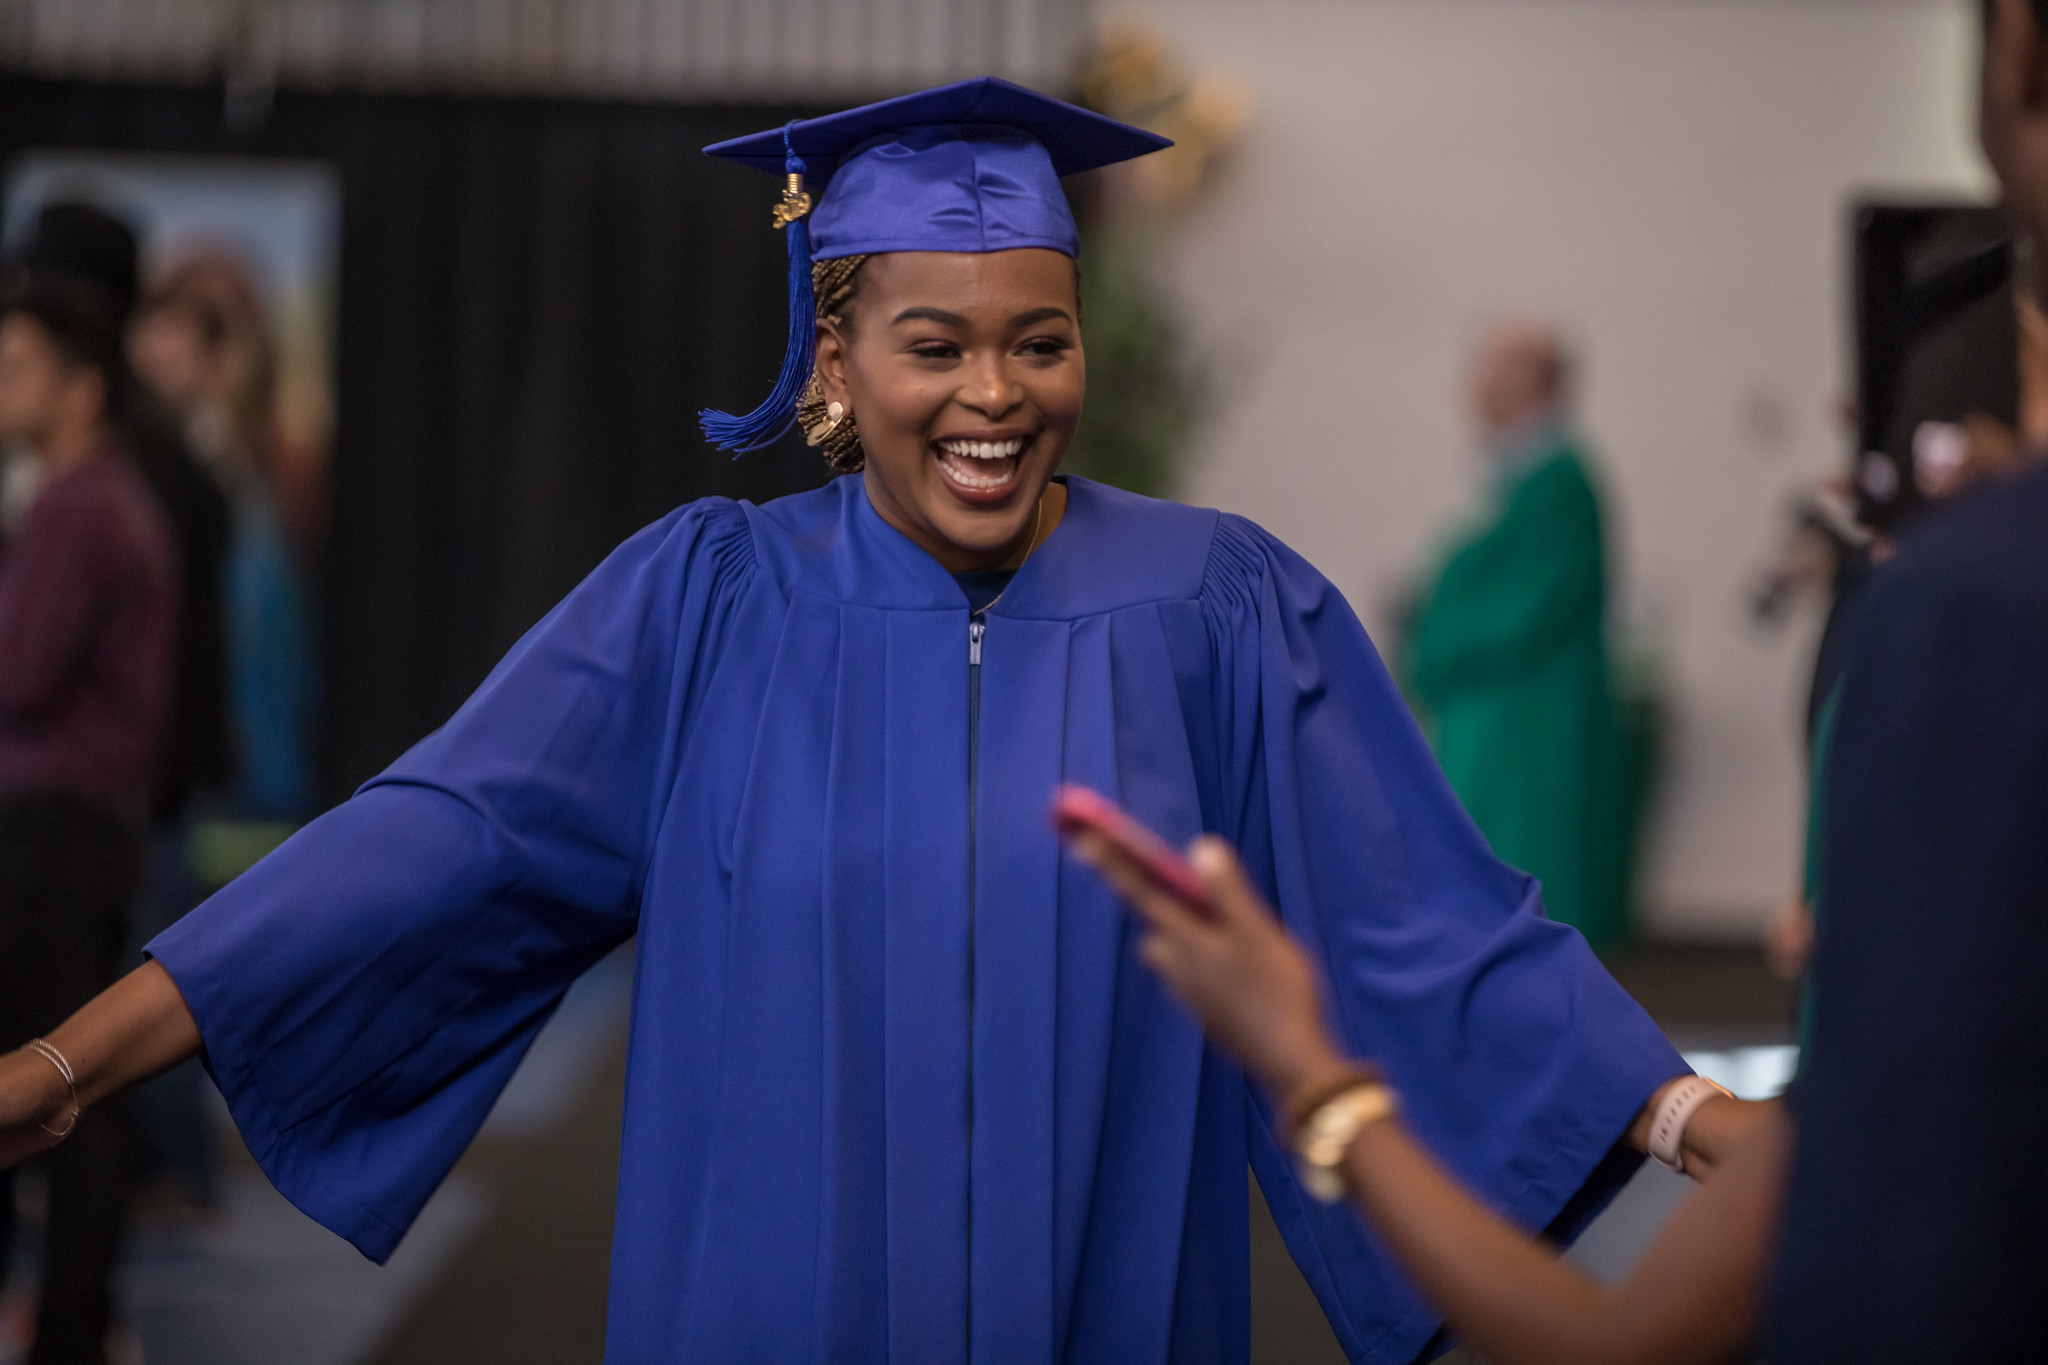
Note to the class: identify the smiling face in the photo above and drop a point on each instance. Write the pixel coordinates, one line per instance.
(965, 374)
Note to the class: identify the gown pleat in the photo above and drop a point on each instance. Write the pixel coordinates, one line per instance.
(924, 995)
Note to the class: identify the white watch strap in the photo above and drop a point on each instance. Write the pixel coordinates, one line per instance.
(1667, 1129)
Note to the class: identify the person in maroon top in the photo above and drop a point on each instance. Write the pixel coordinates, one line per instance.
(88, 617)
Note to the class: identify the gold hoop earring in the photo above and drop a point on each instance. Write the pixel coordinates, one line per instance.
(835, 413)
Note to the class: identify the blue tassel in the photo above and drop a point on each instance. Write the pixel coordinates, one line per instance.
(766, 424)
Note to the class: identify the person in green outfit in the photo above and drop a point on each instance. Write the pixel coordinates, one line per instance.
(1508, 659)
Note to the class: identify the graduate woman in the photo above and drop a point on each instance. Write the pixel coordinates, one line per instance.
(898, 1090)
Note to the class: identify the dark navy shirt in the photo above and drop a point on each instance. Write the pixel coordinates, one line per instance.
(1916, 1227)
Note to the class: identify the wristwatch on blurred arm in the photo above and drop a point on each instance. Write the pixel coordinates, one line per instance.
(1329, 1125)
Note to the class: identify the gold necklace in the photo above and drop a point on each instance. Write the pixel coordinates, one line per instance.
(1037, 521)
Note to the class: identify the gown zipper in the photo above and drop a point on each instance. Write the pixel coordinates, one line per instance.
(977, 627)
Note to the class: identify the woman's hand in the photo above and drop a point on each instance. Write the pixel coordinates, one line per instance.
(1720, 1128)
(1253, 988)
(32, 1094)
(136, 1028)
(1788, 938)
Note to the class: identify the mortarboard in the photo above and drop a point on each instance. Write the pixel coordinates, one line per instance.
(971, 167)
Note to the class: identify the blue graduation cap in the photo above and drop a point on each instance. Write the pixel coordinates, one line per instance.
(972, 167)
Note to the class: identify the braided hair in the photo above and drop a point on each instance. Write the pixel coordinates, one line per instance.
(834, 283)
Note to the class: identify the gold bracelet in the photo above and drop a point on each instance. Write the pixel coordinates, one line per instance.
(1328, 1131)
(49, 1053)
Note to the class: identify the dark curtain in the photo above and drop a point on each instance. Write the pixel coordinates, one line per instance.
(536, 296)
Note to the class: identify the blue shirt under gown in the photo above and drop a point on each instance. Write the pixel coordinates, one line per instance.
(898, 1088)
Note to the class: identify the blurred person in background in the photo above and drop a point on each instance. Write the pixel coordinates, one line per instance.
(197, 753)
(1508, 656)
(85, 242)
(1825, 557)
(88, 608)
(1832, 555)
(201, 342)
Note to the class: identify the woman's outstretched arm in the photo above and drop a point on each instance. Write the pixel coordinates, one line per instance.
(1694, 1298)
(136, 1028)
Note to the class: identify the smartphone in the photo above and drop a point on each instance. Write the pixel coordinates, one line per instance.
(1077, 809)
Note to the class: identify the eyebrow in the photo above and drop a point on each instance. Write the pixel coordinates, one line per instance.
(946, 319)
(938, 315)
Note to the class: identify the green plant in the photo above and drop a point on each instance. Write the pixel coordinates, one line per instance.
(1144, 383)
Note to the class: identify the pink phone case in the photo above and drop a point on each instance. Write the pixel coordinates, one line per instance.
(1078, 808)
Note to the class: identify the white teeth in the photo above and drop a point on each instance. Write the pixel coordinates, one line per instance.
(981, 464)
(984, 450)
(971, 479)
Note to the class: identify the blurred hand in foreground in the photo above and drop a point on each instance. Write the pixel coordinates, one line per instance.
(1233, 965)
(1257, 993)
(1788, 938)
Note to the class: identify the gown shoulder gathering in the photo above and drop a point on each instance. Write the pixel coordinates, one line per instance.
(898, 1089)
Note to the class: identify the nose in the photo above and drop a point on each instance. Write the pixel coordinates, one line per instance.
(988, 389)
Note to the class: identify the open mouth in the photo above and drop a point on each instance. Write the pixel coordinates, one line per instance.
(981, 470)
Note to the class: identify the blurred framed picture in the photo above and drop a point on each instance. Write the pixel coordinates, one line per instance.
(252, 246)
(233, 336)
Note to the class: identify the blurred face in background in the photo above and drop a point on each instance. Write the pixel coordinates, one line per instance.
(201, 343)
(42, 391)
(1517, 377)
(173, 354)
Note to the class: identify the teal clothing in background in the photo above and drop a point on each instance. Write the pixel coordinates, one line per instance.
(273, 681)
(1816, 822)
(1509, 663)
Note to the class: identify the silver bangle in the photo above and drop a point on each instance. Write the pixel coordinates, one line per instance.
(48, 1052)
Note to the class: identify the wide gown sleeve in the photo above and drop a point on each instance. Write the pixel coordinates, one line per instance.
(365, 992)
(1519, 1060)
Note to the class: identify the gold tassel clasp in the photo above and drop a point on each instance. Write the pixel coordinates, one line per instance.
(795, 202)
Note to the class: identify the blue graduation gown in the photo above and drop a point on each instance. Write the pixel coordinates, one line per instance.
(898, 1088)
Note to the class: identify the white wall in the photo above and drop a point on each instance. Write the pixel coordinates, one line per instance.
(1668, 178)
